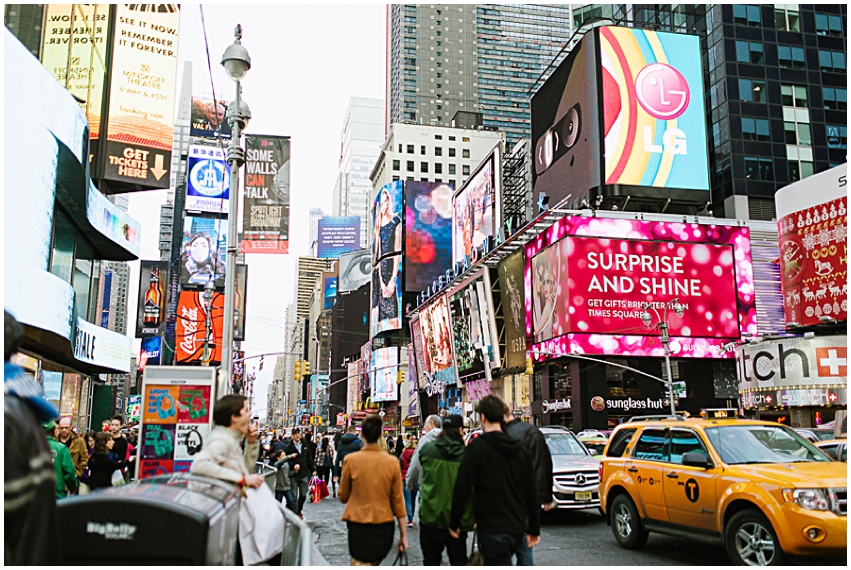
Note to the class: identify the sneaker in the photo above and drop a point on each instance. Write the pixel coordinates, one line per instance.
(410, 524)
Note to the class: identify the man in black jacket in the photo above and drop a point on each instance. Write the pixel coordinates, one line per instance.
(349, 443)
(542, 467)
(301, 467)
(497, 469)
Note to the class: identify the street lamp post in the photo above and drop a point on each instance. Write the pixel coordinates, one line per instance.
(662, 324)
(237, 63)
(209, 289)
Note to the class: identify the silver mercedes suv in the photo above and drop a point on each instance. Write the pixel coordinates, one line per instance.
(576, 477)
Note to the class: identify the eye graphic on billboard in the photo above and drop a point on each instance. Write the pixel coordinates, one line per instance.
(653, 119)
(191, 327)
(207, 180)
(337, 235)
(150, 317)
(141, 95)
(383, 373)
(209, 119)
(266, 212)
(565, 128)
(387, 227)
(436, 327)
(476, 210)
(203, 256)
(428, 233)
(355, 270)
(585, 288)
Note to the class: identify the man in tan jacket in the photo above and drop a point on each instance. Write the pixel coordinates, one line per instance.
(371, 488)
(75, 444)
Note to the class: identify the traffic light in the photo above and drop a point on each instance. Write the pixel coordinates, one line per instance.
(400, 378)
(305, 368)
(297, 371)
(530, 367)
(261, 363)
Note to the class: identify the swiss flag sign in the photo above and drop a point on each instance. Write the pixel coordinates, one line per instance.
(832, 361)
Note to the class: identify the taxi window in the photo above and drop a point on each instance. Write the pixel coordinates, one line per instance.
(619, 442)
(652, 444)
(844, 455)
(830, 450)
(685, 441)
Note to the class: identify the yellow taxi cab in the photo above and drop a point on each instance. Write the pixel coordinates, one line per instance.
(754, 487)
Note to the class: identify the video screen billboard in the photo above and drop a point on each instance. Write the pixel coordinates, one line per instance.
(150, 352)
(428, 233)
(150, 316)
(337, 235)
(419, 353)
(512, 289)
(436, 326)
(207, 180)
(191, 327)
(355, 270)
(653, 118)
(209, 119)
(329, 292)
(202, 257)
(140, 124)
(383, 373)
(476, 210)
(386, 311)
(467, 333)
(566, 128)
(587, 280)
(266, 210)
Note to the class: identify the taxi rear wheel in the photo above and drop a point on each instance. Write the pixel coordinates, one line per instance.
(626, 524)
(750, 540)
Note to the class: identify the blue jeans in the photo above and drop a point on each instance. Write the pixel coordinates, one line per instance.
(524, 553)
(497, 548)
(410, 500)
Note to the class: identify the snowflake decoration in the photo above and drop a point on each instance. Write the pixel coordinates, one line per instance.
(823, 238)
(839, 233)
(809, 242)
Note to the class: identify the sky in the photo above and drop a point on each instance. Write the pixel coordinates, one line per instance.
(306, 63)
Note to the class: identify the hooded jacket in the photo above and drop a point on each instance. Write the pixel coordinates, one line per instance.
(349, 443)
(542, 461)
(413, 476)
(498, 471)
(439, 461)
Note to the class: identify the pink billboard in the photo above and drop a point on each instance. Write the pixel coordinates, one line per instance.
(587, 280)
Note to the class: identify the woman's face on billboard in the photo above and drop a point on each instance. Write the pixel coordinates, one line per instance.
(545, 278)
(385, 203)
(199, 250)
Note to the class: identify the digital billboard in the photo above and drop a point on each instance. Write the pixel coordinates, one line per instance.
(355, 270)
(386, 308)
(512, 290)
(337, 235)
(266, 210)
(436, 327)
(419, 353)
(428, 233)
(566, 128)
(207, 180)
(140, 124)
(383, 373)
(474, 329)
(202, 257)
(150, 352)
(476, 210)
(329, 291)
(812, 220)
(191, 327)
(654, 124)
(209, 119)
(150, 316)
(587, 280)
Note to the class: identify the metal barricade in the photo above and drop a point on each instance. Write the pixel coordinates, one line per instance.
(268, 472)
(298, 541)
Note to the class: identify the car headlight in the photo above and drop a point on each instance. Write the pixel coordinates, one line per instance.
(810, 499)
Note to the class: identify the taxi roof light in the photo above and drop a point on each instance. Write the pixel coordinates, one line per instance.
(719, 413)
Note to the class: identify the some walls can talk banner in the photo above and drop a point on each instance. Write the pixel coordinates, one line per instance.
(266, 209)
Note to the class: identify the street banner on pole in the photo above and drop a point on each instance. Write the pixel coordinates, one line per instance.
(266, 210)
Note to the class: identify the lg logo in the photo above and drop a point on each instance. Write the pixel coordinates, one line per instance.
(663, 93)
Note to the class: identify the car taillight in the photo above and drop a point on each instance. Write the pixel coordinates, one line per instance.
(600, 471)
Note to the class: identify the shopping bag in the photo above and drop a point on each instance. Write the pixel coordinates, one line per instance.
(401, 558)
(322, 487)
(475, 554)
(261, 526)
(117, 478)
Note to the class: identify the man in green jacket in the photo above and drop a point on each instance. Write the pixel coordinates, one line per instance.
(66, 473)
(439, 462)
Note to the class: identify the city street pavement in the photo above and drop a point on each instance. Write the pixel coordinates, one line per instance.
(577, 538)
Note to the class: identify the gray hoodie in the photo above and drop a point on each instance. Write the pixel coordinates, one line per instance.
(415, 473)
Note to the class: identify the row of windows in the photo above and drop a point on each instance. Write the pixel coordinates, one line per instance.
(438, 150)
(438, 167)
(790, 57)
(787, 18)
(753, 91)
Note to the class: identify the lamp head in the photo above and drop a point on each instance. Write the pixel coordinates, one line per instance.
(242, 116)
(646, 318)
(236, 59)
(679, 310)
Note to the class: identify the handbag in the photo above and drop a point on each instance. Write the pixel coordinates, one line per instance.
(261, 525)
(322, 488)
(401, 559)
(475, 554)
(117, 478)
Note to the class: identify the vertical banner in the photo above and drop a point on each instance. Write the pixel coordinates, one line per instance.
(352, 396)
(512, 288)
(420, 353)
(383, 374)
(387, 229)
(365, 363)
(412, 384)
(150, 316)
(150, 353)
(204, 248)
(266, 209)
(436, 325)
(176, 418)
(476, 211)
(191, 330)
(207, 180)
(140, 124)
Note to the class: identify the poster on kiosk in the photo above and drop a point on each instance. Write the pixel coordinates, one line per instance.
(176, 418)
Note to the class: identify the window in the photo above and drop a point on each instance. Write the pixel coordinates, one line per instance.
(831, 60)
(752, 90)
(685, 441)
(452, 138)
(438, 137)
(749, 52)
(439, 54)
(422, 149)
(451, 152)
(439, 65)
(759, 168)
(791, 57)
(800, 169)
(424, 167)
(439, 33)
(796, 125)
(465, 153)
(438, 168)
(829, 25)
(465, 139)
(395, 178)
(410, 149)
(620, 442)
(439, 75)
(410, 166)
(423, 179)
(746, 15)
(438, 151)
(451, 169)
(438, 180)
(395, 165)
(400, 148)
(787, 18)
(835, 98)
(837, 136)
(651, 445)
(793, 96)
(755, 129)
(465, 169)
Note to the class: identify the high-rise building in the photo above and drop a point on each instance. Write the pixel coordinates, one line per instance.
(485, 58)
(360, 145)
(309, 269)
(26, 22)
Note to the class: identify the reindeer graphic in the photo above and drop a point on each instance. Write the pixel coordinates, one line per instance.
(835, 290)
(809, 295)
(796, 297)
(821, 292)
